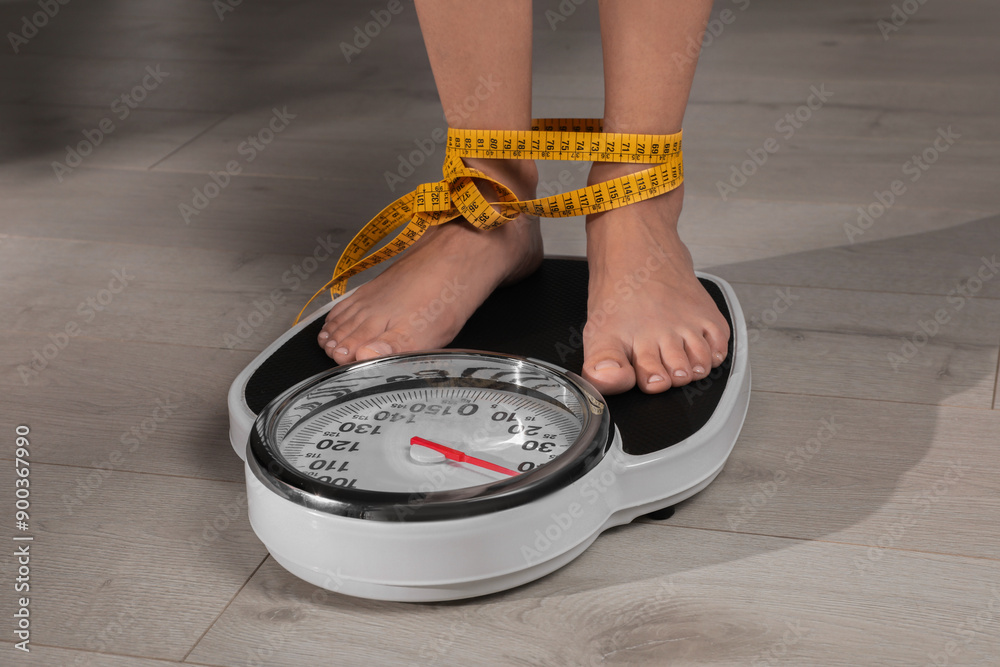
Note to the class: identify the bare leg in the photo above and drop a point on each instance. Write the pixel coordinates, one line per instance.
(653, 326)
(454, 265)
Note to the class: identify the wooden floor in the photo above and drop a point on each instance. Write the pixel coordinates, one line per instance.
(879, 545)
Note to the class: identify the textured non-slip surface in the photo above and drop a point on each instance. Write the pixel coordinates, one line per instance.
(540, 317)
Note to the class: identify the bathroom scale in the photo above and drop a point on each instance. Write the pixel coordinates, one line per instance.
(464, 471)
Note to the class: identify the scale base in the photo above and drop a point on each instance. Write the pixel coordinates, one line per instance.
(660, 515)
(669, 447)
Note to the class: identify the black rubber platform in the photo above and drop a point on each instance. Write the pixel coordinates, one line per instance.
(542, 317)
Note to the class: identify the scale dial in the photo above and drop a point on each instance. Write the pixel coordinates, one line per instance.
(430, 436)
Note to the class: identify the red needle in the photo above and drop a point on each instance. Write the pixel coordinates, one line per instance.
(461, 457)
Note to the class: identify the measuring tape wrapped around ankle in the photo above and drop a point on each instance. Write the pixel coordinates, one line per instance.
(456, 195)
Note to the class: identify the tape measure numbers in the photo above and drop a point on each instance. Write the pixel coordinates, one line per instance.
(456, 195)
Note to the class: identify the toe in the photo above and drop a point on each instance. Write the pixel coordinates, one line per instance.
(676, 361)
(340, 322)
(699, 354)
(607, 367)
(390, 342)
(717, 336)
(342, 309)
(337, 332)
(348, 345)
(651, 376)
(373, 349)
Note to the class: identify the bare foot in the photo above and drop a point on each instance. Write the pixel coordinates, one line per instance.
(423, 300)
(649, 321)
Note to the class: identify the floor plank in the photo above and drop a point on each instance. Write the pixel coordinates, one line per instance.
(100, 414)
(877, 546)
(209, 304)
(926, 482)
(847, 171)
(958, 261)
(686, 597)
(854, 344)
(46, 656)
(160, 556)
(116, 136)
(252, 215)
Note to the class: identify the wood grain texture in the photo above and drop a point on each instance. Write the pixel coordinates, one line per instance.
(125, 138)
(109, 405)
(207, 304)
(159, 556)
(47, 656)
(252, 215)
(641, 595)
(959, 261)
(907, 250)
(841, 165)
(854, 344)
(878, 546)
(895, 476)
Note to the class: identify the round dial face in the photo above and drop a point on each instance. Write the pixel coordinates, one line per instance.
(441, 427)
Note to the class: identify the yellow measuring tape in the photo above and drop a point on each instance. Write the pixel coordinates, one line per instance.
(456, 195)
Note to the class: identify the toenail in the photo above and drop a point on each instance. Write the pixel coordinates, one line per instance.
(330, 344)
(698, 370)
(341, 350)
(680, 374)
(655, 378)
(379, 347)
(719, 356)
(323, 335)
(607, 363)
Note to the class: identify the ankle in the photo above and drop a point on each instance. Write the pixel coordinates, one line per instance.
(521, 176)
(607, 171)
(664, 209)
